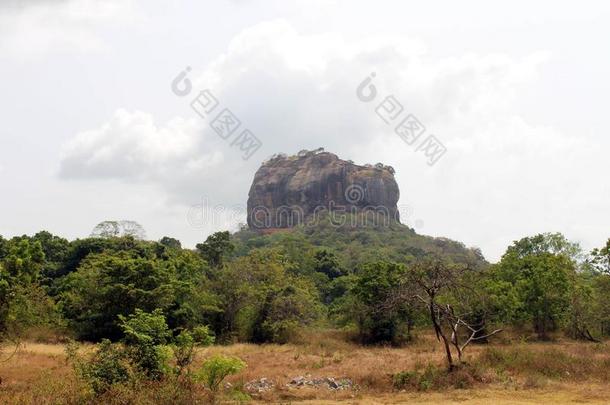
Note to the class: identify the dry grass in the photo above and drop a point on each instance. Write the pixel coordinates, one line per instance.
(325, 355)
(560, 372)
(564, 394)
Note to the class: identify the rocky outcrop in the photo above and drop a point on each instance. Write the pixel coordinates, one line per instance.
(288, 190)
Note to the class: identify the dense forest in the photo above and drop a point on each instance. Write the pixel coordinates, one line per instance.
(263, 288)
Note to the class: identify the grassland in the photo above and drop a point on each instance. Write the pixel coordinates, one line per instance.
(504, 372)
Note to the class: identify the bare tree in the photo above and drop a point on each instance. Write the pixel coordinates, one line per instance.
(432, 282)
(110, 229)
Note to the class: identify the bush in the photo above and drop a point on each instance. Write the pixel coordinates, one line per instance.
(184, 345)
(145, 337)
(183, 351)
(377, 283)
(203, 336)
(216, 369)
(108, 366)
(405, 379)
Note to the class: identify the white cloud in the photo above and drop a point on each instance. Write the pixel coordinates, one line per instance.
(500, 179)
(34, 29)
(131, 147)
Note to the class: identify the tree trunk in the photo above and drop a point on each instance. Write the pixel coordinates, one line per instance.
(440, 335)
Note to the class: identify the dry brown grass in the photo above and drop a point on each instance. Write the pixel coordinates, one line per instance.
(564, 394)
(326, 355)
(560, 372)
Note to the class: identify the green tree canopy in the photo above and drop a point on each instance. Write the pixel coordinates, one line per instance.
(216, 248)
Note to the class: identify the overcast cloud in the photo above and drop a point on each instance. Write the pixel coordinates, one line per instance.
(92, 130)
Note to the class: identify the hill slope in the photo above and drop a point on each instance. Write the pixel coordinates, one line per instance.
(357, 245)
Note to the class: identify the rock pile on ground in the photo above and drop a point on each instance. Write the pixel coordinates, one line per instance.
(330, 383)
(321, 382)
(260, 385)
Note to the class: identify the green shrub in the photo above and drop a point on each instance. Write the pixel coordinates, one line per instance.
(374, 284)
(405, 379)
(216, 369)
(421, 381)
(146, 335)
(203, 335)
(108, 366)
(239, 396)
(429, 378)
(184, 345)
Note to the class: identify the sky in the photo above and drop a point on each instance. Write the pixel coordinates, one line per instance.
(91, 130)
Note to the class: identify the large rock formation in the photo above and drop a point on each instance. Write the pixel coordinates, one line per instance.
(288, 190)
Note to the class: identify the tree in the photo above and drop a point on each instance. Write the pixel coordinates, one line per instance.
(24, 260)
(80, 249)
(115, 229)
(24, 303)
(599, 284)
(541, 269)
(582, 312)
(115, 282)
(601, 292)
(287, 305)
(378, 316)
(260, 300)
(326, 262)
(55, 251)
(499, 298)
(216, 248)
(600, 258)
(145, 337)
(326, 272)
(438, 286)
(110, 284)
(552, 243)
(170, 242)
(3, 247)
(54, 247)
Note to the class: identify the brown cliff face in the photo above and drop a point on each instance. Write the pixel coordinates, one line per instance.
(288, 190)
